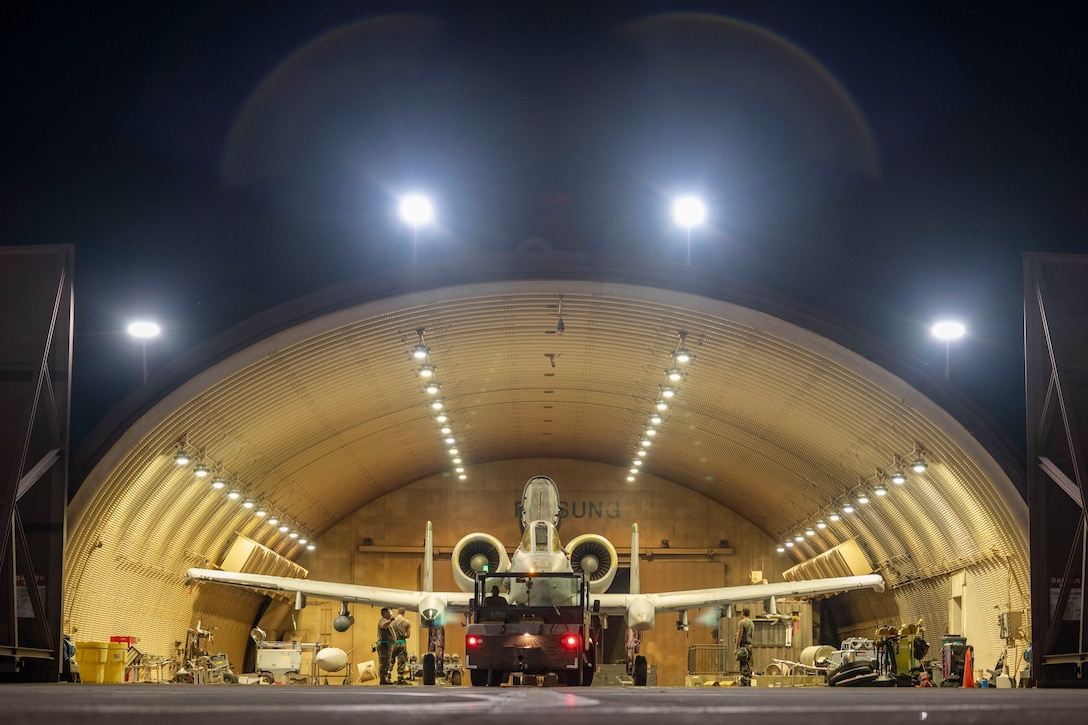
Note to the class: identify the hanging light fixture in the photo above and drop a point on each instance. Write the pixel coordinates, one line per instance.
(863, 497)
(182, 457)
(661, 404)
(821, 524)
(681, 354)
(848, 508)
(261, 512)
(667, 392)
(655, 419)
(421, 351)
(919, 465)
(780, 548)
(880, 489)
(810, 532)
(234, 494)
(426, 370)
(898, 477)
(833, 515)
(218, 482)
(273, 520)
(433, 387)
(438, 403)
(200, 471)
(674, 375)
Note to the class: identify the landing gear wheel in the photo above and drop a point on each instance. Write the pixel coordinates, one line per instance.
(640, 671)
(574, 678)
(428, 669)
(455, 678)
(478, 677)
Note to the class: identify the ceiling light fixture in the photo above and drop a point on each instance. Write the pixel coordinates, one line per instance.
(863, 497)
(433, 387)
(667, 391)
(219, 482)
(273, 520)
(880, 489)
(260, 512)
(182, 457)
(438, 403)
(426, 370)
(655, 419)
(681, 354)
(919, 465)
(898, 477)
(674, 374)
(662, 404)
(821, 524)
(420, 351)
(201, 470)
(248, 503)
(234, 494)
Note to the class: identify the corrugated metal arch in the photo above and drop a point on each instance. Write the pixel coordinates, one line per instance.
(315, 409)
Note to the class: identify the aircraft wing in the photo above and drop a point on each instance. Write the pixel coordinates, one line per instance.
(641, 608)
(430, 605)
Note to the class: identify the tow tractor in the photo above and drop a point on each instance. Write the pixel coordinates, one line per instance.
(531, 624)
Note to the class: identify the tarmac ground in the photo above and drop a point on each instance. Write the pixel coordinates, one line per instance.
(158, 704)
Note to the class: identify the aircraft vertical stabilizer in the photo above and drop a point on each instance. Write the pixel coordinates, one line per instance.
(428, 559)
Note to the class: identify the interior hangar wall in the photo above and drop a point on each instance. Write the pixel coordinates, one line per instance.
(597, 499)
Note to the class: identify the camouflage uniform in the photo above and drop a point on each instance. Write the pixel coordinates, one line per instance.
(744, 648)
(385, 646)
(402, 629)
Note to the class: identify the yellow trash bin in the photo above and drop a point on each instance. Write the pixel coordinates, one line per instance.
(115, 662)
(92, 661)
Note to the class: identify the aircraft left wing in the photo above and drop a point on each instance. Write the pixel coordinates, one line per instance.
(640, 609)
(431, 606)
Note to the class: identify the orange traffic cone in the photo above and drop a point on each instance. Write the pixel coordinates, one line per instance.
(968, 666)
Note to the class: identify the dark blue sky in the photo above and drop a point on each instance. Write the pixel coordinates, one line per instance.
(886, 162)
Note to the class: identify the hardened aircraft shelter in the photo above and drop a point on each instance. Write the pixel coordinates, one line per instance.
(317, 413)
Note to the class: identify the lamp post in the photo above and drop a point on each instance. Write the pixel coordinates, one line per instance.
(416, 210)
(948, 330)
(144, 330)
(688, 211)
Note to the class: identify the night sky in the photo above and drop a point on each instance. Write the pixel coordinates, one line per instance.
(886, 162)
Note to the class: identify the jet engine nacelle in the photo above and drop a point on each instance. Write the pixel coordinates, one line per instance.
(475, 554)
(432, 611)
(595, 556)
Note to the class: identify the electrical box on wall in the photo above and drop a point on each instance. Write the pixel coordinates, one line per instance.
(1009, 623)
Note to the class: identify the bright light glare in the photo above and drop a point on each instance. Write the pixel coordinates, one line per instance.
(417, 210)
(949, 330)
(144, 328)
(688, 211)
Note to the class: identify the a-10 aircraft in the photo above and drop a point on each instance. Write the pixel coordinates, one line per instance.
(540, 551)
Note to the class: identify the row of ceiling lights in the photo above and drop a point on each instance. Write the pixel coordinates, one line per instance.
(666, 392)
(428, 373)
(859, 496)
(236, 492)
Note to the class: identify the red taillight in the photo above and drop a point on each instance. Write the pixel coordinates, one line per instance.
(473, 640)
(570, 641)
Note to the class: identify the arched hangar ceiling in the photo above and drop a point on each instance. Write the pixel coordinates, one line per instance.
(316, 408)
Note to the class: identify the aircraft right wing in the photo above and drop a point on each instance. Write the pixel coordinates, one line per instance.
(640, 609)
